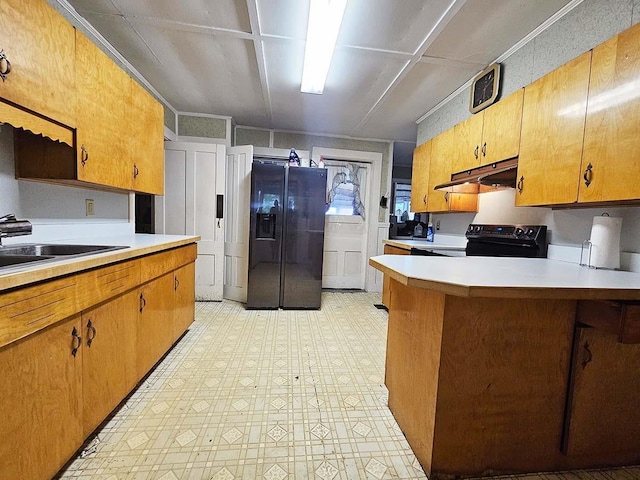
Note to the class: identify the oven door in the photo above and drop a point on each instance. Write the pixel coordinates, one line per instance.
(496, 248)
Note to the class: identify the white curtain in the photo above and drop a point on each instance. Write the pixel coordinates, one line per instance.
(346, 184)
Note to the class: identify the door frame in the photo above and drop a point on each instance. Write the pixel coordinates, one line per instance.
(374, 177)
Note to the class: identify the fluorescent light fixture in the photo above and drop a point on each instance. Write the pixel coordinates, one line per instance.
(325, 17)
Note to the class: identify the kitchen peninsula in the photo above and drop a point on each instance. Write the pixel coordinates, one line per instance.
(504, 365)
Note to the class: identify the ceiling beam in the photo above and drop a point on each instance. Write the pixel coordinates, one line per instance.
(445, 18)
(254, 20)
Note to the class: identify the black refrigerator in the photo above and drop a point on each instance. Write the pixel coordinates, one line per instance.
(286, 236)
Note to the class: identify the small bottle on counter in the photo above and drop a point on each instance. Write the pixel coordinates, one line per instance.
(429, 232)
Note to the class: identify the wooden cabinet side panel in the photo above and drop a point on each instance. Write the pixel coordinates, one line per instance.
(501, 129)
(104, 92)
(603, 417)
(109, 361)
(386, 280)
(39, 43)
(613, 121)
(412, 364)
(553, 119)
(502, 384)
(420, 177)
(146, 139)
(40, 407)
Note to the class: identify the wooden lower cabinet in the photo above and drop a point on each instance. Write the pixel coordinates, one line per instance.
(109, 359)
(386, 281)
(41, 407)
(155, 322)
(184, 281)
(60, 382)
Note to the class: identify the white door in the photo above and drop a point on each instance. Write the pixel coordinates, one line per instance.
(345, 235)
(194, 178)
(236, 236)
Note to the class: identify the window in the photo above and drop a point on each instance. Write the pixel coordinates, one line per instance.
(346, 182)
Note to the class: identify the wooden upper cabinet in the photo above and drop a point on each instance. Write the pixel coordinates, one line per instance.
(39, 44)
(468, 138)
(553, 120)
(610, 161)
(420, 177)
(146, 134)
(104, 90)
(501, 128)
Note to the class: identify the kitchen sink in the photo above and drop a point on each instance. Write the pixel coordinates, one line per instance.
(11, 260)
(25, 254)
(53, 249)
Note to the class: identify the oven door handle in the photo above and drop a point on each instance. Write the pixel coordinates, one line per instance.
(496, 241)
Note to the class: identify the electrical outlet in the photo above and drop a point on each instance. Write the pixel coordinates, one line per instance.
(437, 224)
(89, 207)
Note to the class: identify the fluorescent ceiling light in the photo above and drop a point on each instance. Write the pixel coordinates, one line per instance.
(325, 17)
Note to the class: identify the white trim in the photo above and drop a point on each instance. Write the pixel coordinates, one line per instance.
(112, 50)
(537, 31)
(283, 153)
(314, 134)
(375, 159)
(215, 141)
(205, 115)
(169, 135)
(271, 135)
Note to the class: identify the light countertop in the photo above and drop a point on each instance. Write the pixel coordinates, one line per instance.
(509, 277)
(137, 245)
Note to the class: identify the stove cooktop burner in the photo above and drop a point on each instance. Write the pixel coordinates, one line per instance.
(529, 241)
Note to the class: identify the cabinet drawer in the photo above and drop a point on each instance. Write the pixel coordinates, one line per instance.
(107, 282)
(158, 264)
(30, 309)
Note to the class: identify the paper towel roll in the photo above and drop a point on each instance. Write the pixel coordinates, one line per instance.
(605, 242)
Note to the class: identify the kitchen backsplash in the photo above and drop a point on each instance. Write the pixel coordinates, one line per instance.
(58, 212)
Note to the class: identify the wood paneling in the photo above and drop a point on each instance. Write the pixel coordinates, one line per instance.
(553, 119)
(619, 318)
(420, 177)
(146, 141)
(386, 280)
(613, 121)
(103, 125)
(39, 43)
(184, 287)
(109, 360)
(603, 419)
(41, 414)
(440, 170)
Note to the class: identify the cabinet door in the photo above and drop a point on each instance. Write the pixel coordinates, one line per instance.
(553, 118)
(109, 360)
(610, 161)
(501, 129)
(184, 284)
(39, 44)
(104, 92)
(41, 410)
(466, 150)
(420, 177)
(155, 322)
(440, 170)
(603, 416)
(146, 139)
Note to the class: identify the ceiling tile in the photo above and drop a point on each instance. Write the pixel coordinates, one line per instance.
(283, 18)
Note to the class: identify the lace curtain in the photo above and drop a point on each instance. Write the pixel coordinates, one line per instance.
(346, 188)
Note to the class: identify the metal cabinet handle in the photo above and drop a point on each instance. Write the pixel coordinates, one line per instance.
(587, 175)
(176, 283)
(588, 355)
(484, 149)
(135, 171)
(91, 333)
(446, 197)
(84, 156)
(475, 152)
(424, 199)
(76, 341)
(520, 185)
(5, 65)
(143, 302)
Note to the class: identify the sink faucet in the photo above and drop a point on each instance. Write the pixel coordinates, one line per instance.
(10, 227)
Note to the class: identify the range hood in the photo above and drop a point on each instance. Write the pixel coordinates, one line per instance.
(495, 175)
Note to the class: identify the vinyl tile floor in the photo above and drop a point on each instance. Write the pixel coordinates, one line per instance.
(249, 394)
